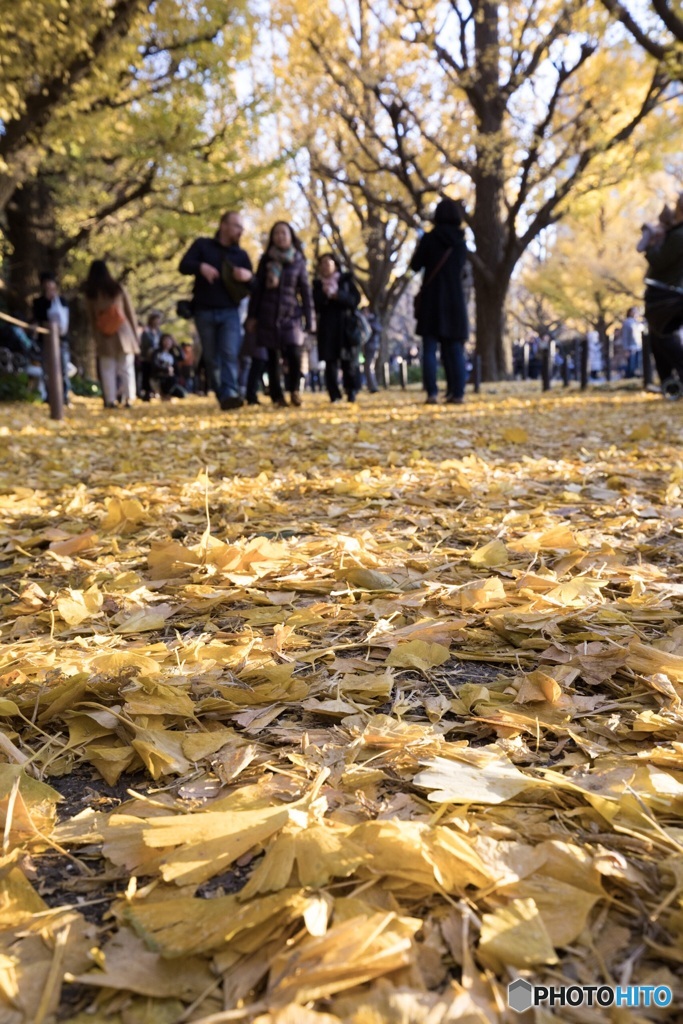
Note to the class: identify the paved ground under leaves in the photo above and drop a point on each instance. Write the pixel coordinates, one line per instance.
(358, 712)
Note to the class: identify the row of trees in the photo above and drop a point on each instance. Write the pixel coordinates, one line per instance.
(128, 126)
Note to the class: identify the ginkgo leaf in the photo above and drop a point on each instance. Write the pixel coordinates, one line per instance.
(463, 783)
(418, 654)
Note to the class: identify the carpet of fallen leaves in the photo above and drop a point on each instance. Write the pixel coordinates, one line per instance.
(359, 712)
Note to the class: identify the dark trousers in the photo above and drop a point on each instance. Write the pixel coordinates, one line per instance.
(145, 380)
(454, 364)
(370, 354)
(291, 357)
(667, 352)
(349, 378)
(255, 379)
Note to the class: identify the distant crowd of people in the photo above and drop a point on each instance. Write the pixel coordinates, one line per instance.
(624, 345)
(271, 321)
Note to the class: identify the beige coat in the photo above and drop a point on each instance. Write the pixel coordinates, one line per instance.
(125, 341)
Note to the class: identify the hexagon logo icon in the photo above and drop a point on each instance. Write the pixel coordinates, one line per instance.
(519, 995)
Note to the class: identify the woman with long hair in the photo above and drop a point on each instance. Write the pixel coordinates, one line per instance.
(281, 297)
(336, 297)
(114, 327)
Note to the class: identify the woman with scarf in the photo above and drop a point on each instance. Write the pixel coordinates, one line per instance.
(335, 296)
(442, 309)
(281, 296)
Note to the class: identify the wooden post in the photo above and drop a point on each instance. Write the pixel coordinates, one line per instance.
(584, 363)
(386, 374)
(647, 361)
(403, 373)
(565, 370)
(55, 383)
(525, 361)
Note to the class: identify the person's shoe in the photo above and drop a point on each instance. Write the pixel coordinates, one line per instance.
(253, 401)
(296, 398)
(432, 400)
(454, 400)
(351, 397)
(281, 403)
(233, 402)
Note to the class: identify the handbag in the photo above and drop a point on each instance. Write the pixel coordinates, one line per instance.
(357, 329)
(237, 290)
(184, 309)
(417, 298)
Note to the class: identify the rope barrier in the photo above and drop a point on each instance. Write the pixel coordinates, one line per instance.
(22, 323)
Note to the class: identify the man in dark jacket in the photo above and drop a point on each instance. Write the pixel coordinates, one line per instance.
(442, 309)
(665, 265)
(223, 276)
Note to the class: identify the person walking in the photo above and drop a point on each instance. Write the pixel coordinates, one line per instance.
(631, 341)
(281, 296)
(664, 255)
(336, 297)
(371, 351)
(441, 309)
(223, 277)
(114, 326)
(49, 307)
(149, 344)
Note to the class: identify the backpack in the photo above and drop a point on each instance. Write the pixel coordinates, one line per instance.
(109, 320)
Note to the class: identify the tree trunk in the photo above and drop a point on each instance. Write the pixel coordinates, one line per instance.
(492, 344)
(491, 274)
(32, 235)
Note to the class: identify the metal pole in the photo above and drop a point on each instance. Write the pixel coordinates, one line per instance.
(477, 374)
(525, 361)
(565, 370)
(609, 356)
(386, 372)
(584, 363)
(55, 383)
(403, 373)
(647, 361)
(545, 368)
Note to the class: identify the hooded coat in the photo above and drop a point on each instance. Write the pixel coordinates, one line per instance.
(443, 308)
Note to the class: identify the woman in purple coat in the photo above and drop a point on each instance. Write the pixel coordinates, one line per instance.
(281, 297)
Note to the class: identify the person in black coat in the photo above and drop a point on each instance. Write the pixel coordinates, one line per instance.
(280, 297)
(442, 311)
(664, 255)
(335, 297)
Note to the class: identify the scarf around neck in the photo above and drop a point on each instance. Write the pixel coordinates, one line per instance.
(277, 260)
(331, 284)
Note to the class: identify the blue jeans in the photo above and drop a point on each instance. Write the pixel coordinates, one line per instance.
(454, 364)
(220, 333)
